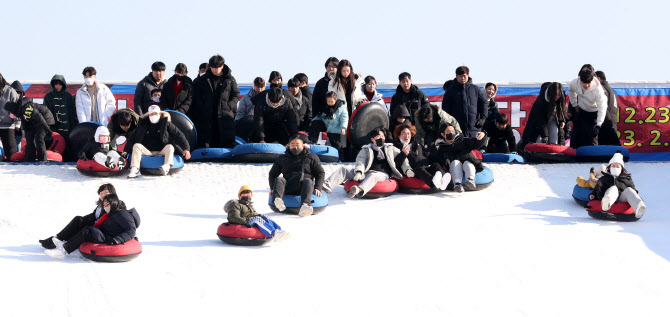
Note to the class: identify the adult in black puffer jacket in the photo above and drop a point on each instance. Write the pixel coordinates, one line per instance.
(608, 131)
(454, 151)
(321, 87)
(117, 226)
(36, 122)
(179, 98)
(301, 172)
(466, 102)
(215, 98)
(155, 80)
(275, 119)
(431, 174)
(547, 117)
(408, 95)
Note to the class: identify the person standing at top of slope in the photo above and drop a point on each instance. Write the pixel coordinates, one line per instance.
(467, 103)
(590, 104)
(241, 212)
(94, 101)
(61, 104)
(491, 89)
(36, 122)
(547, 117)
(347, 85)
(177, 93)
(215, 98)
(7, 124)
(616, 185)
(304, 85)
(321, 87)
(275, 119)
(608, 132)
(408, 95)
(302, 105)
(155, 80)
(371, 93)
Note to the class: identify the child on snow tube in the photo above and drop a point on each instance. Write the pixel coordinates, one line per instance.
(241, 211)
(102, 151)
(616, 185)
(116, 226)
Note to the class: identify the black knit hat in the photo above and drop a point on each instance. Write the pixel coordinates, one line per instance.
(12, 107)
(17, 86)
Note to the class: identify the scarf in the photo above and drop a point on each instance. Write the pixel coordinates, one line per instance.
(380, 152)
(101, 220)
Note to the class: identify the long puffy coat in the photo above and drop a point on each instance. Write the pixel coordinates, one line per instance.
(468, 104)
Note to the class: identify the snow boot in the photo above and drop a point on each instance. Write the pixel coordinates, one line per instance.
(109, 163)
(58, 253)
(639, 210)
(48, 243)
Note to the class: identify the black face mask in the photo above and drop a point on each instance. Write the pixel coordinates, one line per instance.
(275, 85)
(295, 152)
(245, 199)
(181, 78)
(379, 142)
(449, 136)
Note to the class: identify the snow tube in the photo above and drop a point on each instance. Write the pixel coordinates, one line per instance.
(415, 186)
(366, 118)
(242, 235)
(150, 165)
(600, 153)
(81, 134)
(325, 153)
(92, 168)
(258, 152)
(483, 180)
(549, 153)
(51, 156)
(581, 195)
(502, 158)
(381, 189)
(292, 203)
(211, 155)
(185, 125)
(111, 253)
(620, 211)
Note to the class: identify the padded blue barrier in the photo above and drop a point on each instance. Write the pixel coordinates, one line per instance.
(581, 195)
(150, 165)
(502, 158)
(212, 155)
(292, 203)
(600, 153)
(325, 153)
(258, 152)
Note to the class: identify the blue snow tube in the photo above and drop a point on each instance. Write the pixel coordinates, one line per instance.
(2, 154)
(258, 152)
(502, 158)
(325, 153)
(212, 155)
(150, 165)
(601, 153)
(483, 180)
(292, 203)
(581, 195)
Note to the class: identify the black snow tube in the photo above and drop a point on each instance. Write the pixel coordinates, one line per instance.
(366, 118)
(185, 125)
(81, 134)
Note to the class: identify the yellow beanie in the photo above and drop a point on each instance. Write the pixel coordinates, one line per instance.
(243, 188)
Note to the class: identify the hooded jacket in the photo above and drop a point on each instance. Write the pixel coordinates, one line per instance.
(240, 211)
(94, 146)
(338, 121)
(298, 167)
(468, 104)
(412, 100)
(319, 95)
(179, 102)
(461, 150)
(115, 128)
(400, 111)
(142, 99)
(623, 181)
(105, 101)
(121, 225)
(307, 93)
(169, 133)
(303, 109)
(589, 100)
(33, 116)
(424, 128)
(61, 105)
(538, 118)
(7, 94)
(214, 102)
(365, 157)
(267, 116)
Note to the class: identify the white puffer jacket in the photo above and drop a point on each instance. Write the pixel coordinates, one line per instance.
(590, 100)
(106, 103)
(357, 94)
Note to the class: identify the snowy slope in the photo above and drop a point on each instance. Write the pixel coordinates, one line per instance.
(522, 247)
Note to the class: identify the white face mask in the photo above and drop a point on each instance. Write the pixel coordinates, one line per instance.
(89, 81)
(156, 99)
(615, 171)
(154, 119)
(107, 208)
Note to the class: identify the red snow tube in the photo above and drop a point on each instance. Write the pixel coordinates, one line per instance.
(111, 253)
(241, 235)
(549, 153)
(51, 156)
(92, 168)
(381, 189)
(55, 150)
(620, 211)
(415, 186)
(478, 155)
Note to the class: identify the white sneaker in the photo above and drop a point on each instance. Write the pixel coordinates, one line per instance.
(606, 203)
(326, 187)
(470, 184)
(353, 191)
(134, 172)
(165, 168)
(446, 179)
(639, 211)
(281, 235)
(58, 253)
(279, 203)
(437, 180)
(57, 243)
(305, 210)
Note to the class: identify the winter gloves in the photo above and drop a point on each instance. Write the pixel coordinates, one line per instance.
(596, 130)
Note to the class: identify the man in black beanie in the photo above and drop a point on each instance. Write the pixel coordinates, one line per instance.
(275, 118)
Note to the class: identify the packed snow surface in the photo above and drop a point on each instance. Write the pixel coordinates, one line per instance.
(522, 247)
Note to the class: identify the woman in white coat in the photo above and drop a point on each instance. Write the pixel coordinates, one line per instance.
(347, 85)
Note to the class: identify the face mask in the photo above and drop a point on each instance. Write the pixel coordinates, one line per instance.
(295, 151)
(181, 78)
(104, 139)
(403, 142)
(89, 81)
(449, 136)
(154, 119)
(156, 99)
(379, 142)
(615, 171)
(107, 209)
(245, 198)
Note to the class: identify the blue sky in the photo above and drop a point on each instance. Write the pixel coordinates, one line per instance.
(498, 40)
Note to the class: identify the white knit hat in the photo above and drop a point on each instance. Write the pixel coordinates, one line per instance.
(101, 130)
(617, 158)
